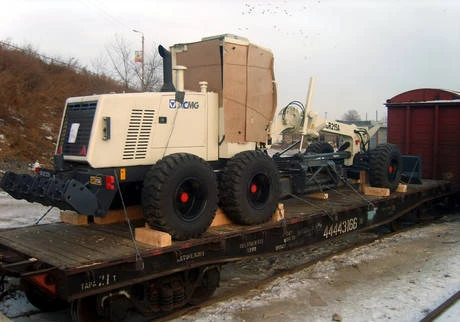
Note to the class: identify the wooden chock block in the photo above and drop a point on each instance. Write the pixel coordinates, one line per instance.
(374, 191)
(368, 190)
(152, 237)
(220, 219)
(279, 213)
(363, 180)
(318, 195)
(118, 215)
(401, 188)
(353, 181)
(73, 218)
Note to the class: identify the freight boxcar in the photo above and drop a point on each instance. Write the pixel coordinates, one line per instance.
(425, 122)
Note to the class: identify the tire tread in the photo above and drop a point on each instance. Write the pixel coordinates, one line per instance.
(153, 199)
(232, 197)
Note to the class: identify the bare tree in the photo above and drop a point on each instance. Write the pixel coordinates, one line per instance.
(118, 63)
(152, 70)
(351, 115)
(119, 54)
(99, 65)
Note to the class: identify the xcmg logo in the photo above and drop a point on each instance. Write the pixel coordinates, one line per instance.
(187, 105)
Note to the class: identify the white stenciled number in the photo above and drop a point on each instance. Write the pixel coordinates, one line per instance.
(336, 229)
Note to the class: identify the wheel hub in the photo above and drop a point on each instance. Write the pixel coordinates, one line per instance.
(184, 197)
(190, 198)
(259, 190)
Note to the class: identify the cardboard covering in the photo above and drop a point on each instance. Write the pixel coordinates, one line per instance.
(203, 62)
(242, 74)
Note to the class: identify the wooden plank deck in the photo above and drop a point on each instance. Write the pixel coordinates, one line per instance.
(64, 245)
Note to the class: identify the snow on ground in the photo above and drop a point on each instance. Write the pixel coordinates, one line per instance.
(17, 213)
(15, 303)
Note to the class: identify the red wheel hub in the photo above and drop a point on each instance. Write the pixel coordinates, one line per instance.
(184, 197)
(390, 169)
(253, 188)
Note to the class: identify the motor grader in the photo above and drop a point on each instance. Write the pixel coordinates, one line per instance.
(199, 143)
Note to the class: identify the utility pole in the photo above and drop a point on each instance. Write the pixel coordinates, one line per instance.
(142, 62)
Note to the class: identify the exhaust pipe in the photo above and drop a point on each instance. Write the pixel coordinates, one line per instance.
(168, 85)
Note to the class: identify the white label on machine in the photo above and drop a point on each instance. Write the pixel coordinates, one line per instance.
(73, 132)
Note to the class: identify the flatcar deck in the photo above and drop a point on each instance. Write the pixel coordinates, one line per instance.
(83, 257)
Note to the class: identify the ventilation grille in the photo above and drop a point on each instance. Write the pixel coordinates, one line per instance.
(81, 113)
(138, 136)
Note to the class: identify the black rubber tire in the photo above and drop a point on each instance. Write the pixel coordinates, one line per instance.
(319, 147)
(41, 299)
(249, 188)
(385, 166)
(179, 195)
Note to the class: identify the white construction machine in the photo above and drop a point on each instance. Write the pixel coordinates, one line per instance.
(199, 143)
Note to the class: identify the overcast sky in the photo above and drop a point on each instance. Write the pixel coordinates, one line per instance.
(361, 52)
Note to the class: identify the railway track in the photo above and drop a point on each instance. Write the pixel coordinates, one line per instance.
(443, 308)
